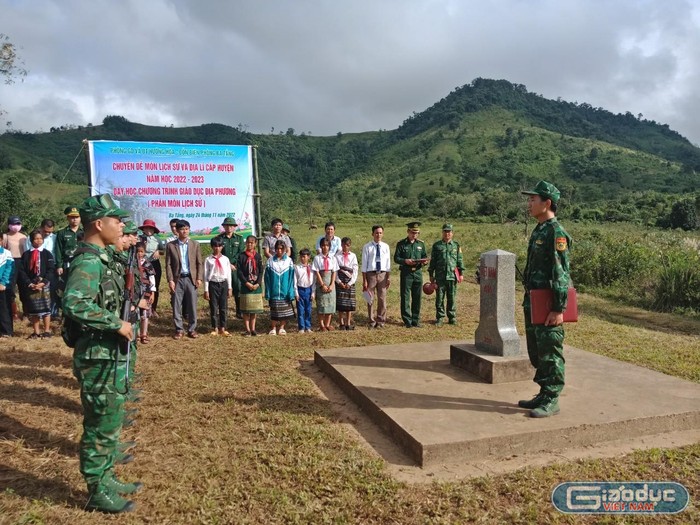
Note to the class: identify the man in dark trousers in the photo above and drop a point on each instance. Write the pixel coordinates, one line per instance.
(411, 255)
(184, 269)
(547, 268)
(234, 245)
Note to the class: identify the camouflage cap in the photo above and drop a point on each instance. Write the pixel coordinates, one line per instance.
(130, 228)
(229, 221)
(545, 190)
(71, 211)
(447, 227)
(99, 206)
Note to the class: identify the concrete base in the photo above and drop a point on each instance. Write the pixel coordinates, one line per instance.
(438, 414)
(492, 368)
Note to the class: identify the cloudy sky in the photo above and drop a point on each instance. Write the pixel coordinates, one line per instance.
(324, 66)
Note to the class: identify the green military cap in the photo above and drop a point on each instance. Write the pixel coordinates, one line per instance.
(545, 190)
(71, 211)
(99, 206)
(130, 228)
(413, 226)
(229, 221)
(447, 227)
(285, 228)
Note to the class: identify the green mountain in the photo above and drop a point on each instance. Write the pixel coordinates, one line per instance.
(466, 156)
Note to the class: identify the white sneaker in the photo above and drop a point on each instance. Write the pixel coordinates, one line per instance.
(272, 332)
(283, 331)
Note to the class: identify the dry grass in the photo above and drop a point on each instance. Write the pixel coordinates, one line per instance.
(230, 431)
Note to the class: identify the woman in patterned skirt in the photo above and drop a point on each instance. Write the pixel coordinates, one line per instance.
(345, 301)
(250, 275)
(279, 288)
(326, 268)
(34, 278)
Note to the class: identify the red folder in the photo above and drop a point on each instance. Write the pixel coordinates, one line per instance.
(541, 304)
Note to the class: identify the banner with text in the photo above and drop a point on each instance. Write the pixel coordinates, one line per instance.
(202, 183)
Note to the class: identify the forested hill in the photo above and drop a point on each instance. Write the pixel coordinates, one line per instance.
(569, 118)
(466, 156)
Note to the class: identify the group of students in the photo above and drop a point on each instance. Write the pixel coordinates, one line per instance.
(328, 278)
(30, 269)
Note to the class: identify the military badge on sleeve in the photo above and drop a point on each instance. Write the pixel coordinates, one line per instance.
(560, 243)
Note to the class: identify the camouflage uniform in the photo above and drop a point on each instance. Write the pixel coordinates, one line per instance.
(411, 276)
(92, 298)
(233, 247)
(445, 258)
(547, 268)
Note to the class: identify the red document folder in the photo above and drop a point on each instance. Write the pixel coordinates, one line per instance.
(541, 304)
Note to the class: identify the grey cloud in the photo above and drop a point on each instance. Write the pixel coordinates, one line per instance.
(326, 66)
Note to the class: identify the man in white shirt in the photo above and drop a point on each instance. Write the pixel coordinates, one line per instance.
(376, 265)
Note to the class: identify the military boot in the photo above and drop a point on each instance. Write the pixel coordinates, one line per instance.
(118, 486)
(126, 446)
(122, 458)
(549, 407)
(532, 403)
(107, 500)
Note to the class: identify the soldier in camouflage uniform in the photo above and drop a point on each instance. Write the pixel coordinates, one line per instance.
(547, 268)
(446, 269)
(67, 239)
(411, 255)
(234, 245)
(92, 300)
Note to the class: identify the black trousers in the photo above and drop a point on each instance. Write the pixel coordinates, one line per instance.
(218, 303)
(5, 315)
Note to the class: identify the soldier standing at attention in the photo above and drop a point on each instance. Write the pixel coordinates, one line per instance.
(234, 246)
(446, 269)
(92, 300)
(547, 267)
(67, 239)
(411, 254)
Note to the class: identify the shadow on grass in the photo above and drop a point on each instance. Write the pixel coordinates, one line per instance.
(11, 429)
(638, 318)
(300, 404)
(18, 357)
(38, 397)
(38, 374)
(32, 488)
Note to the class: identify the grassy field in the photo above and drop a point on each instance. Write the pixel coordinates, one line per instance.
(234, 431)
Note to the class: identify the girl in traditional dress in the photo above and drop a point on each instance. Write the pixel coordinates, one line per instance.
(34, 277)
(279, 288)
(326, 268)
(147, 277)
(250, 274)
(345, 301)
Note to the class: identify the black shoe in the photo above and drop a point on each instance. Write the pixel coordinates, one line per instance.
(532, 403)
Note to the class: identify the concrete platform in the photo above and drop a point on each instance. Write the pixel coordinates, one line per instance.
(440, 414)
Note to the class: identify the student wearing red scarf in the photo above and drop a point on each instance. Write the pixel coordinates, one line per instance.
(34, 273)
(250, 274)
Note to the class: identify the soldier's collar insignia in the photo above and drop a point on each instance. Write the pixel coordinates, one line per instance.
(104, 257)
(560, 243)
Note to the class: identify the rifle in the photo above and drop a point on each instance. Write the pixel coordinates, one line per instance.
(127, 313)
